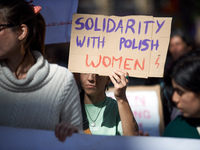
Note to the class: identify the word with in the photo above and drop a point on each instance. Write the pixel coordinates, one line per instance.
(89, 39)
(110, 25)
(109, 61)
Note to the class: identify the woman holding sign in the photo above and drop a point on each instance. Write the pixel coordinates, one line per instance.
(105, 115)
(33, 93)
(185, 93)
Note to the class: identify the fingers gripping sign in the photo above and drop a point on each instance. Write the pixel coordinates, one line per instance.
(120, 80)
(64, 130)
(119, 77)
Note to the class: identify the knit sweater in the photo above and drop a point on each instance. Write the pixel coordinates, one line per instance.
(46, 97)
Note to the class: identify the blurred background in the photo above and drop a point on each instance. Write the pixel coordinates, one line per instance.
(185, 13)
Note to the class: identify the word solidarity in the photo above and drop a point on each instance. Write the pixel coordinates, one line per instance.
(110, 25)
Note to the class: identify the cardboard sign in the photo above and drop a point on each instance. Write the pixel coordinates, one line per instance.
(137, 44)
(145, 103)
(58, 18)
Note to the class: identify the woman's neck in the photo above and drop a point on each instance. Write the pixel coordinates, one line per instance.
(88, 99)
(19, 66)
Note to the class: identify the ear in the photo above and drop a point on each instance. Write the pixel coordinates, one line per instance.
(23, 30)
(109, 81)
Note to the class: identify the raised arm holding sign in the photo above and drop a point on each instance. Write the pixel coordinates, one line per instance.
(105, 115)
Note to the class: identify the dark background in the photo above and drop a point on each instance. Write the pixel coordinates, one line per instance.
(185, 13)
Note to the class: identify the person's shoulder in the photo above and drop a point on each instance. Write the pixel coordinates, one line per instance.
(60, 72)
(111, 101)
(112, 106)
(178, 120)
(60, 68)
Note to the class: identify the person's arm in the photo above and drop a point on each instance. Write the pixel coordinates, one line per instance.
(71, 106)
(129, 124)
(70, 114)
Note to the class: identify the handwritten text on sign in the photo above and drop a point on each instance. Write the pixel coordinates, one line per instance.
(137, 44)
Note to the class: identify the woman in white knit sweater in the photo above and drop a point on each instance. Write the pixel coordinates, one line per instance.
(33, 93)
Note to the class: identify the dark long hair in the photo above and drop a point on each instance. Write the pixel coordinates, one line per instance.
(186, 73)
(84, 115)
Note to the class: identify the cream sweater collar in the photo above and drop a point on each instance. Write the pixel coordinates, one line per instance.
(36, 76)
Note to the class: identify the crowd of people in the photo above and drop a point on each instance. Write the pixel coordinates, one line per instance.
(38, 94)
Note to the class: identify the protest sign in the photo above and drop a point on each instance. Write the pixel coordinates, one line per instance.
(137, 44)
(145, 103)
(32, 139)
(58, 18)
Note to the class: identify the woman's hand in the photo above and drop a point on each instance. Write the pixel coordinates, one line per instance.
(120, 80)
(64, 130)
(141, 133)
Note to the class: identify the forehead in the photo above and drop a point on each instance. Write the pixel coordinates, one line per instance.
(3, 15)
(96, 76)
(176, 38)
(1, 19)
(175, 85)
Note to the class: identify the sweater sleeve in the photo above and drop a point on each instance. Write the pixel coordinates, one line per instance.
(71, 108)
